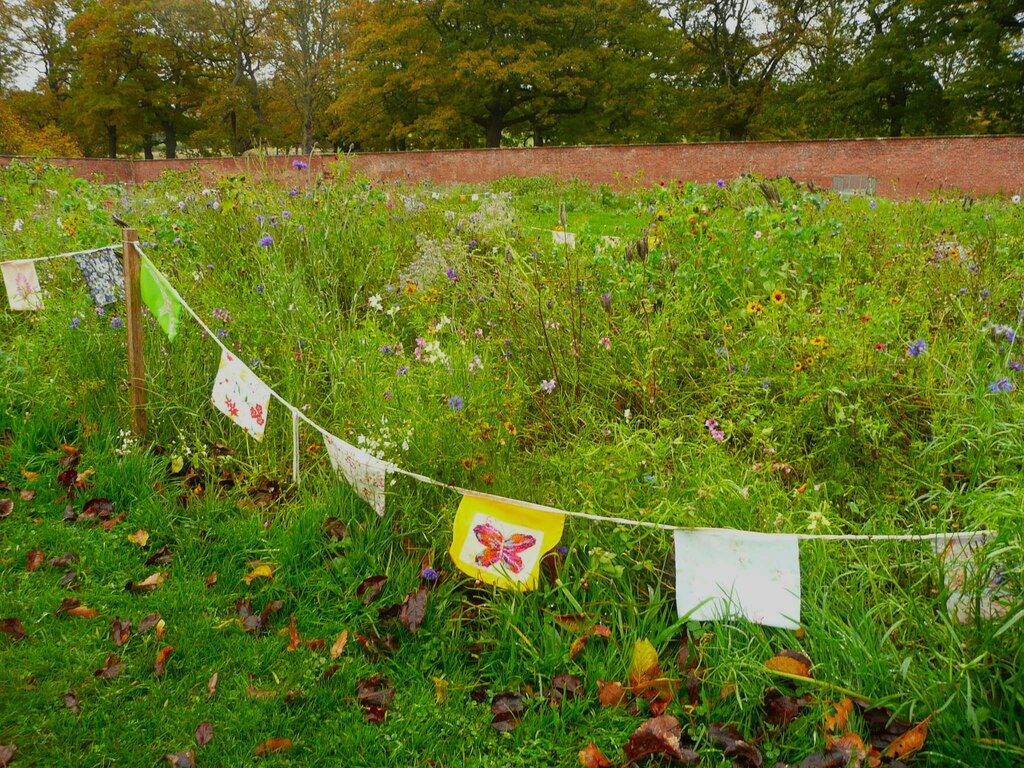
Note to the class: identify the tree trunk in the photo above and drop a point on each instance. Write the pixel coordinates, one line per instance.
(112, 141)
(171, 139)
(147, 148)
(307, 134)
(494, 128)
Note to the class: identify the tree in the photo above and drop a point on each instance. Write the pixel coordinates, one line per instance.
(236, 51)
(735, 53)
(306, 42)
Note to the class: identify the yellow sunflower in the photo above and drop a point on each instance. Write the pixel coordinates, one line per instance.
(819, 341)
(755, 307)
(778, 296)
(798, 366)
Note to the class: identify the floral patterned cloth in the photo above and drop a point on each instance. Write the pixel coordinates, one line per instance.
(364, 471)
(241, 395)
(104, 275)
(22, 283)
(726, 574)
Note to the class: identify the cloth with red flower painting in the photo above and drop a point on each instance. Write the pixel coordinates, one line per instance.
(241, 395)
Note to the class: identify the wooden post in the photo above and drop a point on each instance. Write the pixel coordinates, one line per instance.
(133, 321)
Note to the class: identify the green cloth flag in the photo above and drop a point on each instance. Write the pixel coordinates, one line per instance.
(158, 295)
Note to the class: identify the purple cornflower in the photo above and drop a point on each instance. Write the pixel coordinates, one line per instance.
(563, 551)
(765, 384)
(872, 205)
(387, 394)
(74, 322)
(286, 214)
(387, 350)
(720, 183)
(293, 193)
(222, 333)
(116, 323)
(452, 274)
(255, 362)
(266, 241)
(1015, 365)
(472, 243)
(429, 574)
(260, 288)
(984, 294)
(1002, 385)
(606, 302)
(548, 385)
(300, 165)
(916, 348)
(455, 403)
(402, 371)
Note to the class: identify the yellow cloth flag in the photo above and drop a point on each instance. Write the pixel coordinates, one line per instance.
(501, 543)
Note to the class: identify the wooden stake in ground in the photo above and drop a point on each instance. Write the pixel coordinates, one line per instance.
(133, 320)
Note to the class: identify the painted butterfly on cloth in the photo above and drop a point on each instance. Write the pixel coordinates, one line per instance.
(501, 550)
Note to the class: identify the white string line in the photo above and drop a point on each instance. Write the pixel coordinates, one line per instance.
(64, 255)
(296, 413)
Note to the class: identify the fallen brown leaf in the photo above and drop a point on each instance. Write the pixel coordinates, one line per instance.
(64, 560)
(186, 759)
(259, 572)
(120, 631)
(339, 644)
(161, 660)
(414, 609)
(790, 663)
(148, 584)
(507, 709)
(375, 695)
(909, 744)
(108, 524)
(34, 560)
(836, 722)
(781, 709)
(210, 580)
(102, 509)
(27, 495)
(6, 508)
(256, 693)
(30, 477)
(660, 735)
(610, 694)
(71, 701)
(294, 643)
(591, 757)
(211, 687)
(148, 623)
(83, 612)
(273, 745)
(370, 588)
(7, 754)
(204, 732)
(162, 556)
(111, 667)
(317, 644)
(140, 537)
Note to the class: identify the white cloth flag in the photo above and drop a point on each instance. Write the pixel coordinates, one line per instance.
(22, 283)
(975, 584)
(364, 471)
(731, 574)
(563, 238)
(241, 395)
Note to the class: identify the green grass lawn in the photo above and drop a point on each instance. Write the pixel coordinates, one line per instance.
(794, 322)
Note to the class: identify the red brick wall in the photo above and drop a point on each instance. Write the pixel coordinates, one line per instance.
(913, 167)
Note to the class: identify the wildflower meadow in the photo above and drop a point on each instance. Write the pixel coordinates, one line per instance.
(753, 355)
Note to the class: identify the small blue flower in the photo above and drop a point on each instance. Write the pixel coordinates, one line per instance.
(222, 333)
(472, 243)
(1002, 385)
(402, 371)
(455, 403)
(1015, 365)
(916, 348)
(547, 385)
(765, 384)
(984, 294)
(452, 274)
(429, 574)
(720, 183)
(74, 322)
(387, 350)
(872, 205)
(255, 362)
(260, 288)
(563, 551)
(266, 241)
(116, 323)
(300, 165)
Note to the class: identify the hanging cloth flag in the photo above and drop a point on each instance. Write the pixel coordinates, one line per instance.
(501, 543)
(22, 283)
(159, 297)
(563, 238)
(975, 586)
(103, 275)
(241, 396)
(727, 574)
(364, 471)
